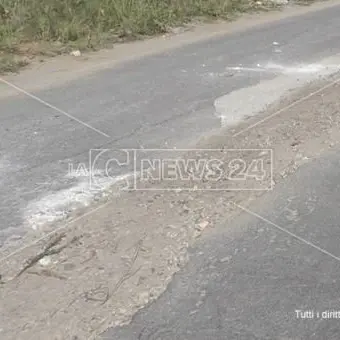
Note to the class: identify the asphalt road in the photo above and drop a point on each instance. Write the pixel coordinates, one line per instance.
(270, 273)
(159, 101)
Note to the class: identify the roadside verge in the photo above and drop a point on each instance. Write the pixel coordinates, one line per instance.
(31, 32)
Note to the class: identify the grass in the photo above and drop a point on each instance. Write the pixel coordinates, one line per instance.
(30, 27)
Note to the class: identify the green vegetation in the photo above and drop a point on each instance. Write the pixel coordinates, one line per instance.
(31, 27)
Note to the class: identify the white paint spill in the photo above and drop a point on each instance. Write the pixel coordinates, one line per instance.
(238, 105)
(213, 76)
(58, 205)
(246, 69)
(304, 69)
(284, 69)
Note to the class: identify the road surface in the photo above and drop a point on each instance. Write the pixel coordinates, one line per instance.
(157, 102)
(162, 101)
(271, 273)
(246, 281)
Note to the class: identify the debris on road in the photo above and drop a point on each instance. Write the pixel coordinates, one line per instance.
(76, 53)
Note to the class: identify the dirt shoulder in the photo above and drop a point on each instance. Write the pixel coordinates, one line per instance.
(104, 265)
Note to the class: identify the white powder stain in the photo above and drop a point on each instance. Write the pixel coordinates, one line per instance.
(284, 69)
(234, 107)
(56, 206)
